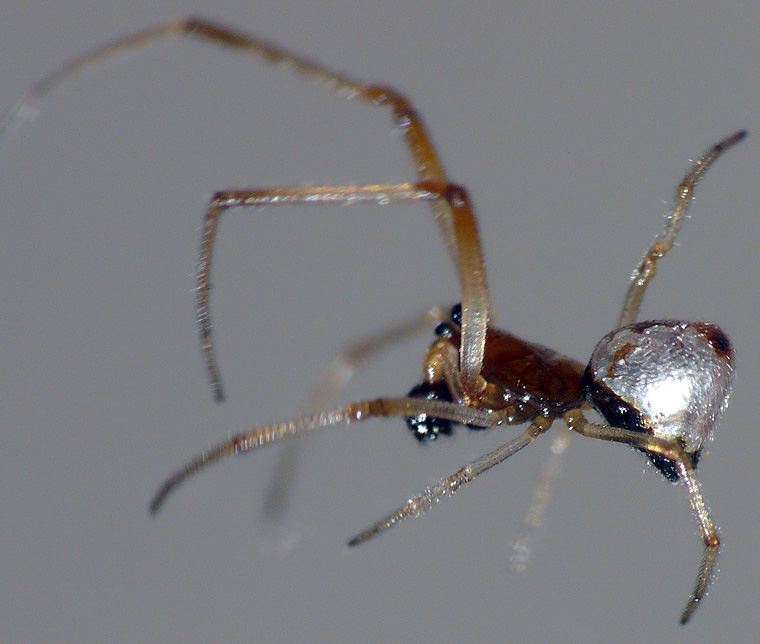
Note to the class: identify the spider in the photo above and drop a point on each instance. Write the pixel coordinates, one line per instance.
(659, 384)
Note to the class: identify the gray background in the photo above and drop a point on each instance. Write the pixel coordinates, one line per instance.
(569, 122)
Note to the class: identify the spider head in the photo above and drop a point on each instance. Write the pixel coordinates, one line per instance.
(668, 378)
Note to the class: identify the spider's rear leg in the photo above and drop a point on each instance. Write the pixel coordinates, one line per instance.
(673, 451)
(647, 268)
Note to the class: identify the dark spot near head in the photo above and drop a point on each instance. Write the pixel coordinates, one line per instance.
(425, 427)
(456, 314)
(443, 330)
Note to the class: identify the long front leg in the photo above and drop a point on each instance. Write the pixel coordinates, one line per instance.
(460, 233)
(463, 219)
(351, 413)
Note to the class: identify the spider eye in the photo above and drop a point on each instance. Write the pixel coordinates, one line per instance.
(424, 427)
(670, 379)
(443, 330)
(456, 314)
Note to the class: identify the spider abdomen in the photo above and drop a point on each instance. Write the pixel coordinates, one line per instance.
(668, 378)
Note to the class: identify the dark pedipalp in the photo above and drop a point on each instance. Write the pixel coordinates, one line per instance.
(443, 330)
(424, 427)
(456, 314)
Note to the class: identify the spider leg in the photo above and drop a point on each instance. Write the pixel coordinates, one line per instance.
(463, 219)
(353, 412)
(709, 537)
(333, 379)
(339, 371)
(461, 236)
(647, 268)
(577, 422)
(441, 363)
(418, 505)
(522, 546)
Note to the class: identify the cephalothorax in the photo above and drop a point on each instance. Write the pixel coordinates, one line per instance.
(660, 385)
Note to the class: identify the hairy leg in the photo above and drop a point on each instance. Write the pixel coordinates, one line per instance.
(647, 269)
(351, 413)
(418, 505)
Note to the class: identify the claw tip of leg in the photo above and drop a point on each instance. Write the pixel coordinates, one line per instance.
(155, 505)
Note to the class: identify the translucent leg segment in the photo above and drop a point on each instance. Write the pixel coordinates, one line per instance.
(330, 384)
(522, 547)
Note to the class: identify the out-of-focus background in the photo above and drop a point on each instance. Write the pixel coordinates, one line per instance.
(570, 123)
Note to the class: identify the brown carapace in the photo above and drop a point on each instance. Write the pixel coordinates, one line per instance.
(660, 385)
